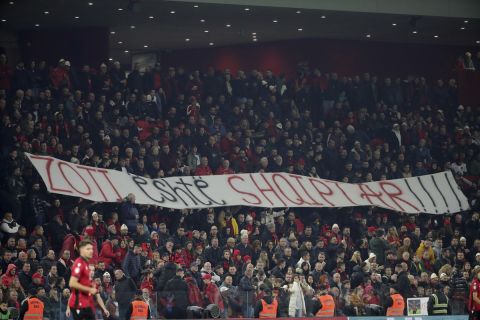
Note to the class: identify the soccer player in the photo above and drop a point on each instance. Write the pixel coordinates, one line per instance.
(83, 290)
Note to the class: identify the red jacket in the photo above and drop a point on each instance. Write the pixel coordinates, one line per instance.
(147, 283)
(187, 257)
(203, 171)
(58, 76)
(123, 253)
(107, 253)
(223, 170)
(213, 296)
(7, 279)
(70, 244)
(178, 259)
(194, 294)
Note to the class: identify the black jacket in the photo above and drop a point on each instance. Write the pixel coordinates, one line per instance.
(179, 288)
(25, 280)
(403, 284)
(358, 277)
(125, 288)
(166, 273)
(213, 255)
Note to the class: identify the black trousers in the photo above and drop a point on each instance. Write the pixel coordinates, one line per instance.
(82, 314)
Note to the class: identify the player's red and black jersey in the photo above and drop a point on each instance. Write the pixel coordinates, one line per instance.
(78, 299)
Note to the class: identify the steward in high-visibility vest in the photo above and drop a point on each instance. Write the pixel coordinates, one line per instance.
(395, 304)
(438, 304)
(267, 307)
(328, 305)
(32, 308)
(138, 309)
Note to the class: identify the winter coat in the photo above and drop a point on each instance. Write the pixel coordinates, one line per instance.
(179, 288)
(213, 255)
(167, 273)
(379, 246)
(296, 292)
(129, 214)
(107, 254)
(132, 265)
(194, 294)
(126, 289)
(421, 249)
(7, 278)
(246, 290)
(358, 277)
(213, 296)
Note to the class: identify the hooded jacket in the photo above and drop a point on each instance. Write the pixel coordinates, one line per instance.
(7, 278)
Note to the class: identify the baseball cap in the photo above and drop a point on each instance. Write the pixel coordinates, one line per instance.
(434, 276)
(36, 275)
(207, 277)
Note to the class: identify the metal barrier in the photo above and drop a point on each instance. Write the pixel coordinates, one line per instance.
(161, 307)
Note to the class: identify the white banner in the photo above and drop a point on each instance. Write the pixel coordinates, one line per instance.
(437, 193)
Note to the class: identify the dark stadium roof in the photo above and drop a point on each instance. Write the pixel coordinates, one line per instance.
(167, 25)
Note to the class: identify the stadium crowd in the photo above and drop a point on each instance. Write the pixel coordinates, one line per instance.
(159, 122)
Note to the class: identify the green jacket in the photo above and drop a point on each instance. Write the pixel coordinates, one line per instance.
(4, 316)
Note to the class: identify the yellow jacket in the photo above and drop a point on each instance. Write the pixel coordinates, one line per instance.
(421, 249)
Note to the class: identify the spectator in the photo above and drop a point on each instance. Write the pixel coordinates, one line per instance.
(109, 252)
(203, 169)
(9, 276)
(365, 129)
(129, 213)
(180, 291)
(247, 292)
(379, 246)
(213, 253)
(297, 307)
(127, 288)
(212, 293)
(9, 226)
(132, 263)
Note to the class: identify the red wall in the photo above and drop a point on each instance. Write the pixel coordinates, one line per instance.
(343, 56)
(468, 85)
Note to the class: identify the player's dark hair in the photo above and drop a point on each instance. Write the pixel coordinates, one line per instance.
(84, 243)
